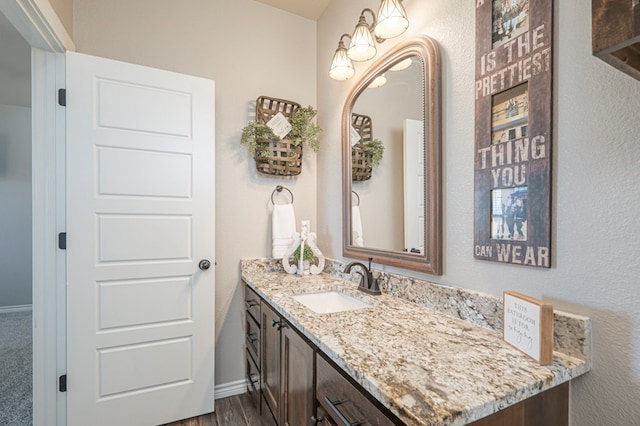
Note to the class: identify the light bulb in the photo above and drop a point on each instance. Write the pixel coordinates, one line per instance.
(392, 19)
(362, 47)
(341, 66)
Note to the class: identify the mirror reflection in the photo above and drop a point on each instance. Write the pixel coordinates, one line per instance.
(391, 194)
(391, 160)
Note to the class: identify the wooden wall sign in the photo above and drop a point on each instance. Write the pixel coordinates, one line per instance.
(615, 30)
(512, 217)
(528, 325)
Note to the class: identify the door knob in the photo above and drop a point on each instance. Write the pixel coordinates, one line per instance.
(204, 264)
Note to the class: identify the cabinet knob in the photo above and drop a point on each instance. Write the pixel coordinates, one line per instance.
(279, 324)
(317, 420)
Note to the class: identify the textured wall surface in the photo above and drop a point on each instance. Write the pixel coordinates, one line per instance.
(595, 226)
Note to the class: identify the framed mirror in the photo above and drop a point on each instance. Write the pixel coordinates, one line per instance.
(392, 210)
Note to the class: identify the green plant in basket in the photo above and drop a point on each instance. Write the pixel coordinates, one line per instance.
(307, 255)
(376, 149)
(302, 130)
(253, 132)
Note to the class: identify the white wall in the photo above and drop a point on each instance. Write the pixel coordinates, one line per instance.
(249, 49)
(15, 205)
(64, 11)
(596, 157)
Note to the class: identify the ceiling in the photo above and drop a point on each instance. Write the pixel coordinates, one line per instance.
(311, 9)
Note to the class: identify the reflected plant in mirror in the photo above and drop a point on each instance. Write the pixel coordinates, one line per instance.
(395, 108)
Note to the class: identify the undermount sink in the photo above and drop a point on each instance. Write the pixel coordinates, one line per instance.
(330, 302)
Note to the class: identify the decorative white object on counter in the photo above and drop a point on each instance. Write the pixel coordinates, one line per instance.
(304, 267)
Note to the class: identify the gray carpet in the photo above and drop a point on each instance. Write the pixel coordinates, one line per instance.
(15, 368)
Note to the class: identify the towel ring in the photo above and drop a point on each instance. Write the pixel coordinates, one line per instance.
(357, 196)
(279, 188)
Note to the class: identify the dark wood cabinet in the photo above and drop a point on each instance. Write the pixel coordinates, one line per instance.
(252, 342)
(341, 403)
(286, 372)
(270, 321)
(549, 408)
(297, 379)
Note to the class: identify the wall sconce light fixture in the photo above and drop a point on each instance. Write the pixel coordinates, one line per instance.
(390, 22)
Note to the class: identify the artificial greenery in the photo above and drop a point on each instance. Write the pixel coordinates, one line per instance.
(308, 253)
(302, 130)
(253, 132)
(376, 149)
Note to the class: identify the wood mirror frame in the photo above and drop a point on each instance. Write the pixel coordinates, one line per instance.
(431, 260)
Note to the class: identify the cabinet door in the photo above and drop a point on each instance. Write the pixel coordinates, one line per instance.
(297, 398)
(270, 369)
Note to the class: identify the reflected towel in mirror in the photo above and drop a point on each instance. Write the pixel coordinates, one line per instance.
(356, 227)
(283, 226)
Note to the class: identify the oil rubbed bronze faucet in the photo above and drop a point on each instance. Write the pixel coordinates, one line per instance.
(368, 284)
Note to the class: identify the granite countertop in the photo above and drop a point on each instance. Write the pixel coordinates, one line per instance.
(427, 367)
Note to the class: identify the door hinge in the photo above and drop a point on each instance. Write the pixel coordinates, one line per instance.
(62, 97)
(62, 241)
(62, 383)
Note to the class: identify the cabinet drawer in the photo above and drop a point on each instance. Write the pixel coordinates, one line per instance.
(342, 402)
(323, 417)
(253, 339)
(252, 303)
(253, 381)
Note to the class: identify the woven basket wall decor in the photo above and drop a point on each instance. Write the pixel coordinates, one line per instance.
(277, 157)
(361, 159)
(360, 163)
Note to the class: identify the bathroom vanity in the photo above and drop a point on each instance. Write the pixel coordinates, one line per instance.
(420, 354)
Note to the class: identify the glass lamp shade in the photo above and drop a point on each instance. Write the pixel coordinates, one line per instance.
(402, 65)
(341, 66)
(379, 81)
(362, 47)
(392, 19)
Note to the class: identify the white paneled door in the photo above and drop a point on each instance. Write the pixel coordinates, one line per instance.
(140, 218)
(414, 193)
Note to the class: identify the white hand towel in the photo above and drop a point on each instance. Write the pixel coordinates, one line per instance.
(357, 239)
(283, 226)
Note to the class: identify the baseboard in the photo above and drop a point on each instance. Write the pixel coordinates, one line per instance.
(14, 308)
(230, 389)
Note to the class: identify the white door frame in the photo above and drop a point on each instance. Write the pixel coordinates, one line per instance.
(39, 25)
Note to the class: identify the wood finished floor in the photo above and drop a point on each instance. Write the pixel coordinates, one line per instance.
(232, 411)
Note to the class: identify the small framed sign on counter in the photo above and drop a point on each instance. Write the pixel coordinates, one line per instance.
(528, 325)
